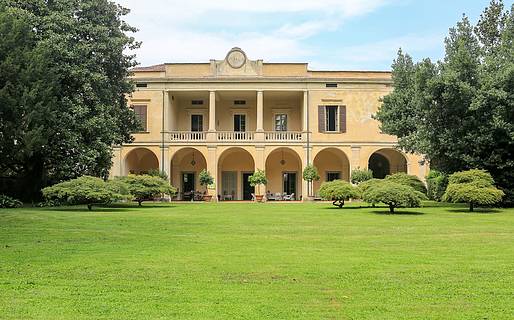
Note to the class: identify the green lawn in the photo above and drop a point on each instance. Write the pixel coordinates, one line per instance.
(256, 261)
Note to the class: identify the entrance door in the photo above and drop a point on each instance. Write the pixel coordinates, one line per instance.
(188, 182)
(247, 188)
(289, 183)
(228, 185)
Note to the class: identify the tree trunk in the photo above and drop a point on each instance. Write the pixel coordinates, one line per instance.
(391, 208)
(341, 203)
(139, 202)
(90, 206)
(471, 207)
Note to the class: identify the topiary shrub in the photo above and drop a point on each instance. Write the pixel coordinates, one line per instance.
(393, 194)
(145, 187)
(475, 187)
(408, 180)
(436, 185)
(205, 178)
(85, 190)
(337, 191)
(361, 175)
(8, 202)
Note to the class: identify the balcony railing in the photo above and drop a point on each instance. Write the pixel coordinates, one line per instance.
(185, 136)
(277, 136)
(235, 135)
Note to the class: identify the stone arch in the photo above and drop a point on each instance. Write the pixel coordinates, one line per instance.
(235, 164)
(284, 172)
(140, 160)
(186, 165)
(332, 163)
(386, 161)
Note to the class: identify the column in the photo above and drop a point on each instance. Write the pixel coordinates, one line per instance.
(212, 111)
(212, 167)
(305, 115)
(260, 164)
(355, 159)
(165, 161)
(166, 111)
(116, 169)
(260, 111)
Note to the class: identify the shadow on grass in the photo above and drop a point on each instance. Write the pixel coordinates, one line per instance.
(331, 207)
(397, 212)
(477, 210)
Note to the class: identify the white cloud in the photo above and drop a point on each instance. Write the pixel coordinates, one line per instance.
(176, 30)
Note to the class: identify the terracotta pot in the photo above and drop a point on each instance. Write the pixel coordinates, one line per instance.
(259, 198)
(207, 197)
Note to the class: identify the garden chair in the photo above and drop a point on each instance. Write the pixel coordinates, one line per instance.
(289, 197)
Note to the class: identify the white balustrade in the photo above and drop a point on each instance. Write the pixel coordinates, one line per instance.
(235, 135)
(288, 136)
(186, 136)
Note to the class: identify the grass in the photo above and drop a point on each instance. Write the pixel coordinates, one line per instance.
(256, 261)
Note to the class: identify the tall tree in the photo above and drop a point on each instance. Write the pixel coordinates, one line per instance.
(63, 86)
(459, 112)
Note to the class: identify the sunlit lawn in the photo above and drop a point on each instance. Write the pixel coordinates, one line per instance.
(256, 261)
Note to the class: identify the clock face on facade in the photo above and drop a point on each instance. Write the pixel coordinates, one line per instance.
(236, 59)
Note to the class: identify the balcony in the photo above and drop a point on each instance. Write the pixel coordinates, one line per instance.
(235, 136)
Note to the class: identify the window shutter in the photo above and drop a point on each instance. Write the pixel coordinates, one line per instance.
(342, 119)
(321, 118)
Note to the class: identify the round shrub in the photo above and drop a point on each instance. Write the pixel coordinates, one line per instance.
(392, 194)
(337, 191)
(8, 202)
(408, 180)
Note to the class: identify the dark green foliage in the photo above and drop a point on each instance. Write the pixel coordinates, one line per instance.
(361, 175)
(63, 82)
(145, 187)
(408, 180)
(258, 178)
(436, 185)
(86, 190)
(158, 173)
(459, 112)
(310, 173)
(475, 187)
(393, 194)
(337, 191)
(8, 202)
(205, 178)
(363, 186)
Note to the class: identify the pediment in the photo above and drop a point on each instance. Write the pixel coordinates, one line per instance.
(236, 63)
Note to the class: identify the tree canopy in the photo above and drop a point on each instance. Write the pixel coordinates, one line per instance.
(392, 194)
(459, 112)
(63, 81)
(408, 180)
(337, 191)
(475, 187)
(146, 187)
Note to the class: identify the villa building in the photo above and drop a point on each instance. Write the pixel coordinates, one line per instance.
(236, 115)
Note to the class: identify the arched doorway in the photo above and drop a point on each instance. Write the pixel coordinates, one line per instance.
(140, 161)
(332, 164)
(284, 174)
(387, 161)
(235, 166)
(186, 165)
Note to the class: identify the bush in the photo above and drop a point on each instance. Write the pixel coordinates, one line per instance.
(408, 180)
(157, 173)
(310, 173)
(393, 194)
(475, 187)
(337, 191)
(145, 187)
(361, 175)
(205, 178)
(436, 185)
(365, 185)
(8, 202)
(85, 190)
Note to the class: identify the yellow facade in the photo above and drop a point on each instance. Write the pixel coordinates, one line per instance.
(236, 115)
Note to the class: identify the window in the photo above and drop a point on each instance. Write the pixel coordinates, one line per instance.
(197, 102)
(141, 85)
(281, 122)
(331, 118)
(140, 112)
(240, 122)
(331, 85)
(196, 122)
(239, 102)
(331, 176)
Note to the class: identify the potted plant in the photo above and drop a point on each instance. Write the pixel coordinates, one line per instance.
(310, 173)
(256, 179)
(206, 180)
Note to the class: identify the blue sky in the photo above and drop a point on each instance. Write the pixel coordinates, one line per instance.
(328, 34)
